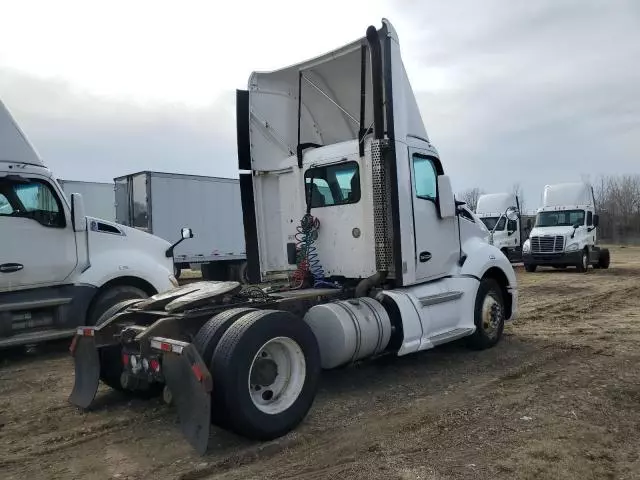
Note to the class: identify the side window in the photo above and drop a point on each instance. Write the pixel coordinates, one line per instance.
(333, 184)
(590, 219)
(32, 199)
(425, 176)
(512, 225)
(501, 223)
(464, 213)
(5, 206)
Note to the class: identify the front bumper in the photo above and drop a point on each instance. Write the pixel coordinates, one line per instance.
(552, 259)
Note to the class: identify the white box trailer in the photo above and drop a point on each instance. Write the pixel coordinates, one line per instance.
(98, 197)
(161, 203)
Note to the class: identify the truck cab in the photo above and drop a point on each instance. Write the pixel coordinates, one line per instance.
(59, 268)
(565, 230)
(505, 233)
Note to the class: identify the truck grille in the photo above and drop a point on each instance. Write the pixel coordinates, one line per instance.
(547, 244)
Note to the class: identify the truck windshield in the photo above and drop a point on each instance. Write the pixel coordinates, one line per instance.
(490, 222)
(560, 218)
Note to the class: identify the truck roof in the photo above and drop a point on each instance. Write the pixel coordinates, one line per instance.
(495, 203)
(14, 144)
(567, 194)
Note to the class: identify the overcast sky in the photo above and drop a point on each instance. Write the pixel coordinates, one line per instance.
(530, 92)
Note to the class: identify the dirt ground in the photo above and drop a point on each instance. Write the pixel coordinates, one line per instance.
(558, 398)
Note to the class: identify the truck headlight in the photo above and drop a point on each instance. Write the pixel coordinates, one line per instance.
(571, 248)
(526, 246)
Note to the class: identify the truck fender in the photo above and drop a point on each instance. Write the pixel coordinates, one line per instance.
(487, 260)
(109, 266)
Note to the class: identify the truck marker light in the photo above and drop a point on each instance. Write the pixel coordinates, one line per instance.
(155, 365)
(85, 332)
(197, 372)
(125, 359)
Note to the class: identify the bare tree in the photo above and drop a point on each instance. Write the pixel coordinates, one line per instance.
(470, 197)
(618, 205)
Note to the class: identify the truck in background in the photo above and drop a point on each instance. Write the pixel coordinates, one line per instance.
(506, 234)
(565, 230)
(59, 268)
(160, 203)
(98, 197)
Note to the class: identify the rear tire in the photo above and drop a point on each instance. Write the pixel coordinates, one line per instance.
(111, 356)
(604, 259)
(530, 267)
(206, 341)
(265, 371)
(489, 315)
(110, 297)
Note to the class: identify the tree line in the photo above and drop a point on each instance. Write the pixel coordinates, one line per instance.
(617, 200)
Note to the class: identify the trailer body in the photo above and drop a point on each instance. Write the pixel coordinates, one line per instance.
(160, 203)
(98, 197)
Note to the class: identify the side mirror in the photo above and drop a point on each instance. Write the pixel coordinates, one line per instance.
(529, 223)
(576, 226)
(596, 220)
(512, 214)
(446, 201)
(185, 233)
(78, 217)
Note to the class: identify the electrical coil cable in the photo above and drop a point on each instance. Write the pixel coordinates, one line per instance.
(307, 258)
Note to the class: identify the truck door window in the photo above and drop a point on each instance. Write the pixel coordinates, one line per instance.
(333, 184)
(490, 222)
(32, 199)
(512, 225)
(424, 174)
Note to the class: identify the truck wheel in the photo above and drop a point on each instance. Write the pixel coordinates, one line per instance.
(583, 265)
(209, 335)
(530, 267)
(243, 274)
(110, 356)
(488, 315)
(604, 259)
(111, 297)
(265, 371)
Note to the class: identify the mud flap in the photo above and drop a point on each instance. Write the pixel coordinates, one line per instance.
(189, 381)
(87, 370)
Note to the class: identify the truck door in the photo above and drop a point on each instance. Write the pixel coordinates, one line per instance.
(436, 239)
(38, 242)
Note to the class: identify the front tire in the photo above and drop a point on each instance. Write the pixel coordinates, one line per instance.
(489, 315)
(583, 264)
(530, 267)
(266, 370)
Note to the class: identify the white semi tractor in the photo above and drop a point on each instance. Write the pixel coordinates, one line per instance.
(565, 230)
(505, 233)
(351, 220)
(59, 268)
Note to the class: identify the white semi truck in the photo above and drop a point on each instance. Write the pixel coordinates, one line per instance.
(565, 230)
(350, 218)
(505, 234)
(58, 268)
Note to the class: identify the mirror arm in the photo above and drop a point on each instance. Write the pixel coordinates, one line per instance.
(169, 252)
